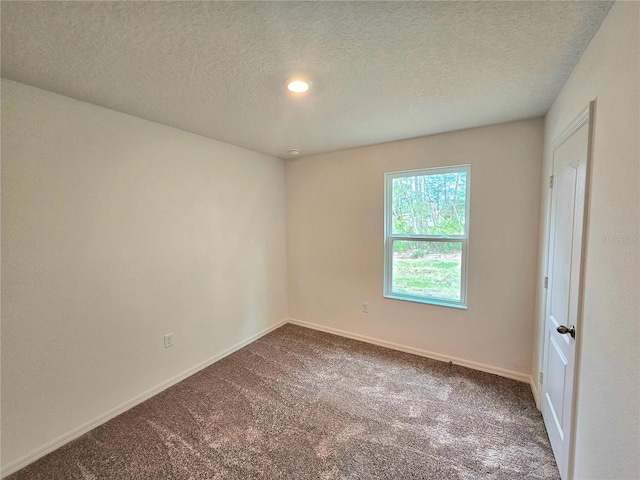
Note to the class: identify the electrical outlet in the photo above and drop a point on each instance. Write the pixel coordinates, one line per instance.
(365, 307)
(168, 340)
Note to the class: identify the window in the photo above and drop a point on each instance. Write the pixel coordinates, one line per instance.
(426, 225)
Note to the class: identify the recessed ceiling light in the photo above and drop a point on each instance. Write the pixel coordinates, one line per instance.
(294, 151)
(296, 85)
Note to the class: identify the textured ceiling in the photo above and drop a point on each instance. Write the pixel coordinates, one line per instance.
(381, 71)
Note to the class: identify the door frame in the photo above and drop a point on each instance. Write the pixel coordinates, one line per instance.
(586, 116)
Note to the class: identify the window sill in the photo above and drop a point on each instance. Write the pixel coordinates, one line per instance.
(427, 302)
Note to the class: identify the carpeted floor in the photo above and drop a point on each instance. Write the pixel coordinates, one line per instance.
(301, 404)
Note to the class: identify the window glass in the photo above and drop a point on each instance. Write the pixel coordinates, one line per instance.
(430, 269)
(429, 204)
(426, 235)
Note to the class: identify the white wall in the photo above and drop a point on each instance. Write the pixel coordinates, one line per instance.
(608, 412)
(335, 238)
(115, 231)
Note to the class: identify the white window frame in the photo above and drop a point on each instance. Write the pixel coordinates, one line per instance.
(389, 237)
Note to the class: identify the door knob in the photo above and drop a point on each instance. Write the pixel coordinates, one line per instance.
(564, 330)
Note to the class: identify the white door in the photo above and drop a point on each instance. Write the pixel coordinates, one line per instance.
(563, 291)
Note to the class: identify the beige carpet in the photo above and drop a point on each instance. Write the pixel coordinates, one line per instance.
(300, 404)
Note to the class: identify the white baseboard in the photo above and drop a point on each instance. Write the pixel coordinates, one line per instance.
(502, 372)
(123, 407)
(534, 391)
